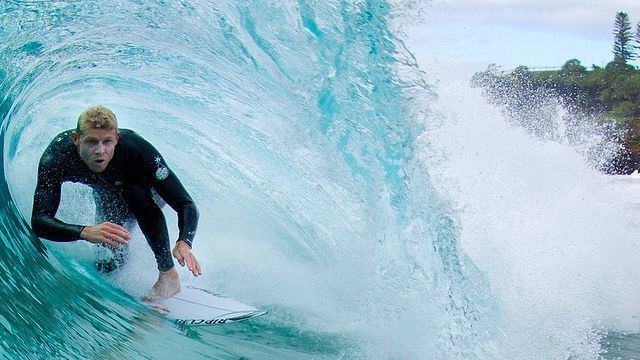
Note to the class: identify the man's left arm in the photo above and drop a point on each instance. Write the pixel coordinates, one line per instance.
(172, 191)
(169, 187)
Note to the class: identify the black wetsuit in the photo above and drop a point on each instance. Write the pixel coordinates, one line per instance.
(123, 192)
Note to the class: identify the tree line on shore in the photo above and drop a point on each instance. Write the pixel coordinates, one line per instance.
(608, 95)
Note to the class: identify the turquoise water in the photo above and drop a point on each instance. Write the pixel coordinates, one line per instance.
(298, 129)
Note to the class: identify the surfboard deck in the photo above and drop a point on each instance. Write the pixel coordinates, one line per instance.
(197, 306)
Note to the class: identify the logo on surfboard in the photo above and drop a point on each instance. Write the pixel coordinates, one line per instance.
(201, 321)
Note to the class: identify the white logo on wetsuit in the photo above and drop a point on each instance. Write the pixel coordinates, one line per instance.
(161, 172)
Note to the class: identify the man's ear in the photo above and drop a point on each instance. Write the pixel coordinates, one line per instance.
(117, 135)
(75, 138)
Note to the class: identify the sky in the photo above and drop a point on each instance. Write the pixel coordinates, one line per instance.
(541, 33)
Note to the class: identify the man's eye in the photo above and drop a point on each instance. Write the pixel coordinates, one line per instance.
(91, 142)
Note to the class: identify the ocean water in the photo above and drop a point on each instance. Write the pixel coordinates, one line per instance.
(375, 212)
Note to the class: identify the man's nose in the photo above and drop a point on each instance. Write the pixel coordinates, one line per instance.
(100, 148)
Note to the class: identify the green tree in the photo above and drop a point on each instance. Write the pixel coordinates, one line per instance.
(573, 68)
(622, 46)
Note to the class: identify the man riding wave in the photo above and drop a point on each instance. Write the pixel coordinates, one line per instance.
(130, 181)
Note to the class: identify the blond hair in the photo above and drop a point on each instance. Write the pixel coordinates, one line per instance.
(97, 117)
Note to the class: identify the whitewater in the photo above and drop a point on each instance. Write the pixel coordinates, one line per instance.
(377, 207)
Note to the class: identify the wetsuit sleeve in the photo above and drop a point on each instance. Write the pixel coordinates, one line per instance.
(169, 187)
(45, 204)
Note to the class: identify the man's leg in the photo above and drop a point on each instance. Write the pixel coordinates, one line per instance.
(110, 206)
(154, 227)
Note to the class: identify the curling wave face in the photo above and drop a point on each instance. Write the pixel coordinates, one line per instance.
(296, 126)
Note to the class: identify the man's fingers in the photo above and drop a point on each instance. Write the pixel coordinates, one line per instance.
(114, 232)
(123, 235)
(195, 266)
(117, 229)
(185, 256)
(190, 263)
(113, 236)
(118, 238)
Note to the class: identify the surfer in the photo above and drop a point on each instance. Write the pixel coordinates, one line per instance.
(130, 182)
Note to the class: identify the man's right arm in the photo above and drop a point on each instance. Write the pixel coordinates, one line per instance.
(45, 205)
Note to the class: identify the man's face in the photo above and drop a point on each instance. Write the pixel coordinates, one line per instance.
(96, 147)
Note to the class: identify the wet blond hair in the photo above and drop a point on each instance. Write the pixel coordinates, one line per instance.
(96, 117)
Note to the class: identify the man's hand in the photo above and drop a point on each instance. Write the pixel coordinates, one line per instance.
(107, 233)
(182, 253)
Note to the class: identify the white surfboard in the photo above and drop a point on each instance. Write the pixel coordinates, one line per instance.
(197, 306)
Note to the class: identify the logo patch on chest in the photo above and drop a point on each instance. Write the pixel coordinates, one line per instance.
(161, 172)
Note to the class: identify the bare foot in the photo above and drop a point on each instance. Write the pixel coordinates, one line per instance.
(168, 284)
